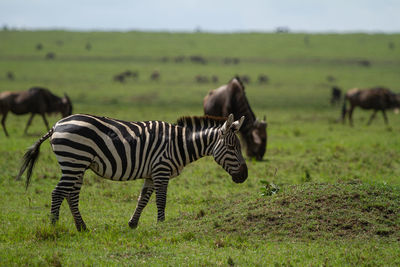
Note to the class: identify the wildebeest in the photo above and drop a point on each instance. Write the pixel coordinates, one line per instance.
(39, 46)
(214, 78)
(198, 59)
(378, 99)
(50, 55)
(88, 46)
(10, 75)
(262, 78)
(231, 98)
(155, 75)
(36, 100)
(119, 78)
(336, 95)
(245, 79)
(201, 79)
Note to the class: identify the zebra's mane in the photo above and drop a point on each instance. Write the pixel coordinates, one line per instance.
(195, 122)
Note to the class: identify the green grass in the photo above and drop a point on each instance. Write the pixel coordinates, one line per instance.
(338, 195)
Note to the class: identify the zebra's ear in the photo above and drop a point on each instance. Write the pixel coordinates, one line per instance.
(227, 125)
(237, 124)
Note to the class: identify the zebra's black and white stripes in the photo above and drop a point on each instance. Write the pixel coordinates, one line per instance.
(120, 150)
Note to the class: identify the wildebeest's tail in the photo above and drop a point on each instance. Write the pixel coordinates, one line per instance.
(31, 156)
(344, 108)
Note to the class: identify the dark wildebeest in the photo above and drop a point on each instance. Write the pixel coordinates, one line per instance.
(50, 55)
(119, 78)
(378, 99)
(39, 46)
(231, 98)
(198, 59)
(10, 76)
(36, 100)
(155, 75)
(262, 78)
(214, 78)
(201, 79)
(336, 95)
(245, 79)
(88, 46)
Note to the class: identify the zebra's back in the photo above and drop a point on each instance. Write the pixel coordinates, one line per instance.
(114, 149)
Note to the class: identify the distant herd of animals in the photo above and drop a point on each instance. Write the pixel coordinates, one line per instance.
(155, 151)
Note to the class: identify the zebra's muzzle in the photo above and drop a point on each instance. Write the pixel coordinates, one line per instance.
(241, 175)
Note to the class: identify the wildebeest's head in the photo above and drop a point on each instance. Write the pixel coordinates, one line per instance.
(66, 106)
(256, 140)
(227, 151)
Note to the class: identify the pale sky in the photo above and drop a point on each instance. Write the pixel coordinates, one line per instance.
(208, 15)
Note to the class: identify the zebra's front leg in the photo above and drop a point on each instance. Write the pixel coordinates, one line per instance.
(145, 194)
(161, 185)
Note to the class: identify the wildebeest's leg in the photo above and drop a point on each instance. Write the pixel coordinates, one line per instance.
(3, 123)
(29, 123)
(372, 117)
(147, 190)
(385, 117)
(45, 121)
(160, 185)
(73, 202)
(351, 115)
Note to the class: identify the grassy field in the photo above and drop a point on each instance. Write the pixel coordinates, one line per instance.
(338, 193)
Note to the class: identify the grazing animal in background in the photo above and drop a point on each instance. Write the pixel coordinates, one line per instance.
(36, 100)
(118, 150)
(262, 78)
(50, 55)
(378, 99)
(10, 75)
(201, 79)
(155, 75)
(214, 78)
(119, 78)
(179, 59)
(88, 46)
(198, 59)
(245, 79)
(231, 98)
(39, 46)
(336, 95)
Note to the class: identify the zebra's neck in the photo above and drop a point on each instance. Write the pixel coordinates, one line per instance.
(193, 145)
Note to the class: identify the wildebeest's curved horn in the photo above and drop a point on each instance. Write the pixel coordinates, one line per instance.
(68, 101)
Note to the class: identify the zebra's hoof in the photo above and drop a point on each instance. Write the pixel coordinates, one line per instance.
(81, 228)
(133, 225)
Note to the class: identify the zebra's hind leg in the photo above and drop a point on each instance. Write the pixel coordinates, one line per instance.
(68, 187)
(145, 194)
(73, 202)
(57, 197)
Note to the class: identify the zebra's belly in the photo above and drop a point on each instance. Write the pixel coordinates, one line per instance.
(120, 175)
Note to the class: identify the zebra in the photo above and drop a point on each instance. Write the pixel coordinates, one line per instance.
(155, 151)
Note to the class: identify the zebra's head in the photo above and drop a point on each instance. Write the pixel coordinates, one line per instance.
(227, 151)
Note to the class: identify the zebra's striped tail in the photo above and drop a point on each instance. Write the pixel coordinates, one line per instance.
(30, 158)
